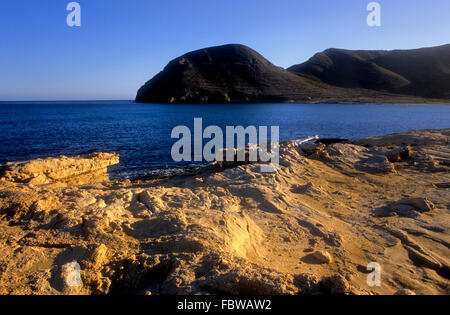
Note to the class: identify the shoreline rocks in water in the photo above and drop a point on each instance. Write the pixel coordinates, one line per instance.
(238, 231)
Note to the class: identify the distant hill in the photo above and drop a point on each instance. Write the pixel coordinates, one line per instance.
(421, 72)
(224, 74)
(237, 74)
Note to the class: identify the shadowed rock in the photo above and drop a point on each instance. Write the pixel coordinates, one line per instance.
(420, 72)
(237, 74)
(225, 74)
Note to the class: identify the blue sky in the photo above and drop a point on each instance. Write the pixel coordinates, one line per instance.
(121, 44)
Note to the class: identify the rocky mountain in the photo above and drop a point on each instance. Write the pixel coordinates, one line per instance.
(226, 74)
(421, 72)
(237, 74)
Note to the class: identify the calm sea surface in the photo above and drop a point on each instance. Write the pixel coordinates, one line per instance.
(140, 133)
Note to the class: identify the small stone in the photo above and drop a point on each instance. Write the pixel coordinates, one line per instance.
(384, 212)
(405, 210)
(38, 179)
(421, 204)
(310, 148)
(143, 214)
(323, 257)
(404, 292)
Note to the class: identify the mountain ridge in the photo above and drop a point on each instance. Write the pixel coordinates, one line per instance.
(415, 72)
(235, 73)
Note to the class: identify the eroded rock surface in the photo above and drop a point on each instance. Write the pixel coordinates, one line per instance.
(61, 169)
(238, 231)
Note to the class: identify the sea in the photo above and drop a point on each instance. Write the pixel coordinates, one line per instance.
(141, 133)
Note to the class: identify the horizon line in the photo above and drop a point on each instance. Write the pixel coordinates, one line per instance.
(72, 100)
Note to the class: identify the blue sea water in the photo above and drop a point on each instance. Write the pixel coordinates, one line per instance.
(140, 133)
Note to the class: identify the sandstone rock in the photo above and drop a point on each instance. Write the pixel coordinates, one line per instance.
(335, 239)
(423, 258)
(308, 284)
(153, 204)
(349, 152)
(405, 292)
(243, 220)
(377, 164)
(14, 203)
(335, 285)
(310, 148)
(40, 172)
(404, 210)
(399, 154)
(323, 257)
(421, 204)
(95, 257)
(143, 214)
(310, 190)
(252, 282)
(368, 160)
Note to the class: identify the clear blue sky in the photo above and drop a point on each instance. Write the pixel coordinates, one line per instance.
(123, 43)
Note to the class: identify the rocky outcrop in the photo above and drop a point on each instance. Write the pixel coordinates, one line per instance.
(225, 74)
(310, 228)
(421, 204)
(365, 159)
(238, 74)
(420, 72)
(51, 170)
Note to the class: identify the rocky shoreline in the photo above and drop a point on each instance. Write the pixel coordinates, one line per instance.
(311, 228)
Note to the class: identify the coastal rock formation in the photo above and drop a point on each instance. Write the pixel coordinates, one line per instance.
(371, 160)
(237, 74)
(62, 169)
(312, 227)
(225, 74)
(420, 72)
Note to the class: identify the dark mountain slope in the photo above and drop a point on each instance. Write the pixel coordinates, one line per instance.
(227, 74)
(421, 72)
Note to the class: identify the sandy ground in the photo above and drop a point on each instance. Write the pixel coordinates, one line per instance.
(311, 228)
